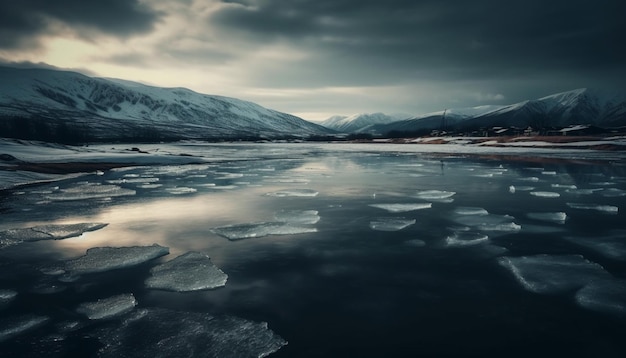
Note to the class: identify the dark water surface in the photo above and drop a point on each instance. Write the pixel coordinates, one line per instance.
(511, 257)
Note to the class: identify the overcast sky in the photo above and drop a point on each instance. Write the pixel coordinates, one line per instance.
(317, 58)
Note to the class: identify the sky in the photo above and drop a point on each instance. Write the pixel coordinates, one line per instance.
(319, 58)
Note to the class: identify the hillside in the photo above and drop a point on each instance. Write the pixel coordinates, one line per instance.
(47, 104)
(577, 107)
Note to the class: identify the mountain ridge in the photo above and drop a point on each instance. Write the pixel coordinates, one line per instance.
(117, 109)
(576, 107)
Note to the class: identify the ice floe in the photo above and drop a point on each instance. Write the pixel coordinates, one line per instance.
(489, 222)
(545, 194)
(391, 224)
(597, 207)
(608, 296)
(467, 210)
(261, 229)
(159, 332)
(435, 194)
(181, 190)
(305, 217)
(513, 189)
(188, 272)
(401, 208)
(87, 191)
(294, 193)
(133, 180)
(557, 217)
(530, 179)
(15, 326)
(465, 238)
(582, 191)
(100, 259)
(553, 274)
(564, 186)
(46, 232)
(108, 307)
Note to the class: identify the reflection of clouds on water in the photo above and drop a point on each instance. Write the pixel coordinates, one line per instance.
(379, 232)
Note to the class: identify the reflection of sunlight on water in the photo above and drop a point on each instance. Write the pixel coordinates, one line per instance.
(182, 224)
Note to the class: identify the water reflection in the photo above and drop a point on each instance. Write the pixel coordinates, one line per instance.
(346, 284)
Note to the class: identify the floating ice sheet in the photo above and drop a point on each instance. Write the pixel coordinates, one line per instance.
(582, 191)
(391, 224)
(108, 307)
(100, 259)
(466, 210)
(12, 327)
(465, 238)
(46, 232)
(610, 209)
(489, 222)
(252, 230)
(189, 272)
(304, 217)
(435, 194)
(553, 274)
(88, 191)
(608, 296)
(545, 194)
(513, 189)
(295, 193)
(529, 179)
(181, 190)
(612, 246)
(401, 208)
(133, 180)
(564, 186)
(556, 217)
(164, 333)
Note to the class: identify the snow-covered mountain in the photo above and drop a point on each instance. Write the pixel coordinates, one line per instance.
(581, 106)
(360, 122)
(40, 102)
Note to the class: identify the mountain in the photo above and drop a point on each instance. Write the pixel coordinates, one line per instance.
(441, 120)
(40, 103)
(581, 106)
(360, 122)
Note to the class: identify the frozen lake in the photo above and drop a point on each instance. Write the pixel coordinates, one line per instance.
(319, 250)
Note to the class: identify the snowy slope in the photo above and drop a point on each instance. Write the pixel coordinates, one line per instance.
(434, 120)
(110, 108)
(580, 106)
(358, 122)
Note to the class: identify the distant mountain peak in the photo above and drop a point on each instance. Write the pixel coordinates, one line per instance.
(582, 106)
(359, 121)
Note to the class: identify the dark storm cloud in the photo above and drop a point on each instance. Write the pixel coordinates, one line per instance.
(422, 39)
(23, 21)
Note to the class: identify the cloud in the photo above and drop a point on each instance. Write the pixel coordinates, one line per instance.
(332, 55)
(437, 39)
(23, 23)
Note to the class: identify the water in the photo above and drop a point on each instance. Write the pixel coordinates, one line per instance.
(360, 251)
